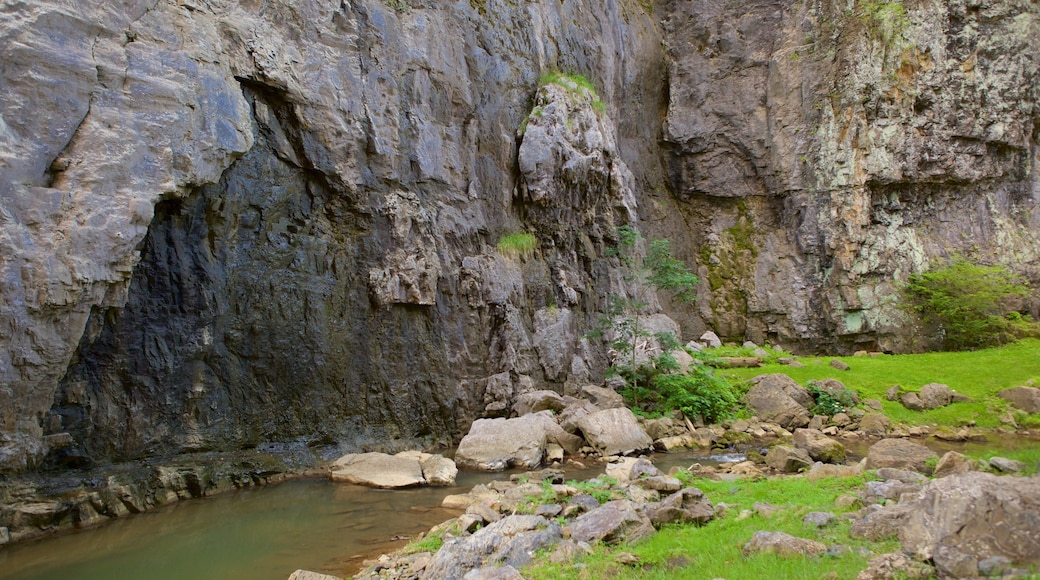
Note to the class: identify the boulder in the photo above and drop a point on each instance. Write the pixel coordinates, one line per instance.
(510, 541)
(1004, 465)
(495, 444)
(614, 432)
(935, 395)
(688, 506)
(554, 433)
(536, 401)
(912, 401)
(874, 425)
(899, 453)
(439, 470)
(838, 364)
(603, 398)
(308, 575)
(1023, 398)
(506, 572)
(897, 566)
(782, 544)
(952, 463)
(569, 417)
(711, 339)
(788, 459)
(665, 483)
(377, 470)
(612, 523)
(819, 446)
(818, 519)
(628, 469)
(893, 393)
(978, 515)
(777, 398)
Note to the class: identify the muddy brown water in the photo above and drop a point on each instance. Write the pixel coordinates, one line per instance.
(268, 532)
(257, 533)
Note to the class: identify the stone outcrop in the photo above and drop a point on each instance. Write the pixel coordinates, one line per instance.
(1025, 398)
(614, 432)
(779, 399)
(900, 454)
(223, 227)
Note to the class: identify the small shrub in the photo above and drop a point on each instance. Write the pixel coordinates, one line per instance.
(517, 244)
(699, 392)
(829, 401)
(970, 304)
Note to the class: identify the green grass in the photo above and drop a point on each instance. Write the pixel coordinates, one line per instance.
(576, 84)
(517, 244)
(715, 550)
(978, 374)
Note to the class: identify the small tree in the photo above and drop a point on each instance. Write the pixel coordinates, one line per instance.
(658, 270)
(971, 304)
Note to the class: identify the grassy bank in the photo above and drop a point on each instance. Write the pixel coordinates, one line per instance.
(978, 374)
(715, 550)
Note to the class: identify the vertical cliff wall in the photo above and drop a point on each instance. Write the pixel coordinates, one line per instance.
(227, 222)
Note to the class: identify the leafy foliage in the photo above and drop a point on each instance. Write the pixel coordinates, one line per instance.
(656, 271)
(829, 401)
(971, 304)
(699, 392)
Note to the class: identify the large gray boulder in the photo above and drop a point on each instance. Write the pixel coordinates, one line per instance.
(900, 454)
(688, 505)
(788, 459)
(777, 398)
(378, 470)
(819, 446)
(535, 401)
(612, 523)
(554, 433)
(496, 444)
(614, 432)
(1024, 398)
(973, 516)
(511, 541)
(782, 544)
(603, 397)
(935, 395)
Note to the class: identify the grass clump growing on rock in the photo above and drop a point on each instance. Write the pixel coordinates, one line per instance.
(517, 244)
(577, 84)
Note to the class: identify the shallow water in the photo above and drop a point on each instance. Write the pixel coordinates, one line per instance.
(258, 533)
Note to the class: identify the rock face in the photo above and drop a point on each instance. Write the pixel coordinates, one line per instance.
(221, 227)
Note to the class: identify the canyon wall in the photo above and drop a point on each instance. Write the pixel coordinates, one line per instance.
(224, 223)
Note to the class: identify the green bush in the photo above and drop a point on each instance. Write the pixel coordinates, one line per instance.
(699, 392)
(829, 401)
(971, 304)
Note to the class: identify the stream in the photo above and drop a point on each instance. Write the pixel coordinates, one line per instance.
(266, 533)
(258, 533)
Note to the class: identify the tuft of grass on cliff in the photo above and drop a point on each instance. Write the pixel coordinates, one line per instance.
(715, 550)
(978, 374)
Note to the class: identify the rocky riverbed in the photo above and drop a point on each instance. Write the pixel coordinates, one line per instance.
(924, 499)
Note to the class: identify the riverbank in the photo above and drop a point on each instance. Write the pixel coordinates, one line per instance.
(980, 443)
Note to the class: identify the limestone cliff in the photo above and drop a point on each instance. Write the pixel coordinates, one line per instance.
(228, 222)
